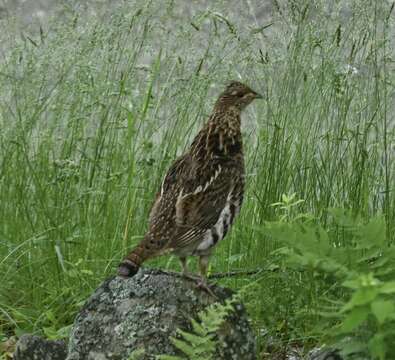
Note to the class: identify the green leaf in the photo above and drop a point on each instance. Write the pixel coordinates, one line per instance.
(200, 344)
(382, 309)
(87, 272)
(19, 332)
(64, 332)
(183, 346)
(361, 297)
(355, 318)
(351, 347)
(168, 357)
(343, 217)
(377, 346)
(198, 328)
(50, 333)
(50, 316)
(388, 288)
(196, 340)
(137, 354)
(352, 284)
(261, 28)
(372, 234)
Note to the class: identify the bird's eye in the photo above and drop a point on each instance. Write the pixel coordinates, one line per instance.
(238, 94)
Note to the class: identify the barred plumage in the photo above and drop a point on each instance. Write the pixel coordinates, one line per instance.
(202, 191)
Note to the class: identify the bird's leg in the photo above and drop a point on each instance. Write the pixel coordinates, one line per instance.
(202, 283)
(184, 265)
(185, 271)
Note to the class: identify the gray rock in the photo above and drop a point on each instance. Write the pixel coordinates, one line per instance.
(299, 353)
(30, 347)
(324, 354)
(124, 315)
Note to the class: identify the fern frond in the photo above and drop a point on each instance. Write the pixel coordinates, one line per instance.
(200, 344)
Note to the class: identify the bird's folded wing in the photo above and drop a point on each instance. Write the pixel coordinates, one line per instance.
(170, 180)
(176, 170)
(199, 210)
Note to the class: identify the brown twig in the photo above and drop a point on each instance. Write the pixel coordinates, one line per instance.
(235, 273)
(224, 274)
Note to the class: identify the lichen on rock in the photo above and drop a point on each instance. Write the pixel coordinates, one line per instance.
(31, 347)
(143, 312)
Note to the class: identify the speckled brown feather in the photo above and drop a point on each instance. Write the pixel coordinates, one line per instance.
(202, 191)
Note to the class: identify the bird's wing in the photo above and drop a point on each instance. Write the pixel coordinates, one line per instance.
(174, 172)
(200, 209)
(169, 182)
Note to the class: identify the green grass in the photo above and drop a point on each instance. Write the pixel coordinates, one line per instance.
(93, 112)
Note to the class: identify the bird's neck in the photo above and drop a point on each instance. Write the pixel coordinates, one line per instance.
(226, 117)
(221, 135)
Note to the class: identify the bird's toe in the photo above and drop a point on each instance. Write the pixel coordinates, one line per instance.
(202, 285)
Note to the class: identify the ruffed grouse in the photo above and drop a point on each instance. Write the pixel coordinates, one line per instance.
(201, 193)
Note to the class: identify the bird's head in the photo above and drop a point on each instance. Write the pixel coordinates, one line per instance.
(238, 95)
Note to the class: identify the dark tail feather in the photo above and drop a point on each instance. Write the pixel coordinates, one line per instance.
(131, 264)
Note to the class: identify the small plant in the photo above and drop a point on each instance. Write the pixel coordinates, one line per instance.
(287, 206)
(137, 354)
(370, 314)
(355, 262)
(200, 344)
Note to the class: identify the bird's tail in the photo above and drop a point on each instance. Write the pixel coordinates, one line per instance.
(131, 263)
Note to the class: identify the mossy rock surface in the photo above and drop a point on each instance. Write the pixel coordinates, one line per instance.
(143, 312)
(31, 347)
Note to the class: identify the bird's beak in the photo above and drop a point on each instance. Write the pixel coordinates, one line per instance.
(258, 96)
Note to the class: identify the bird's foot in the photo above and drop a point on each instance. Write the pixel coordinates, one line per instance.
(202, 285)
